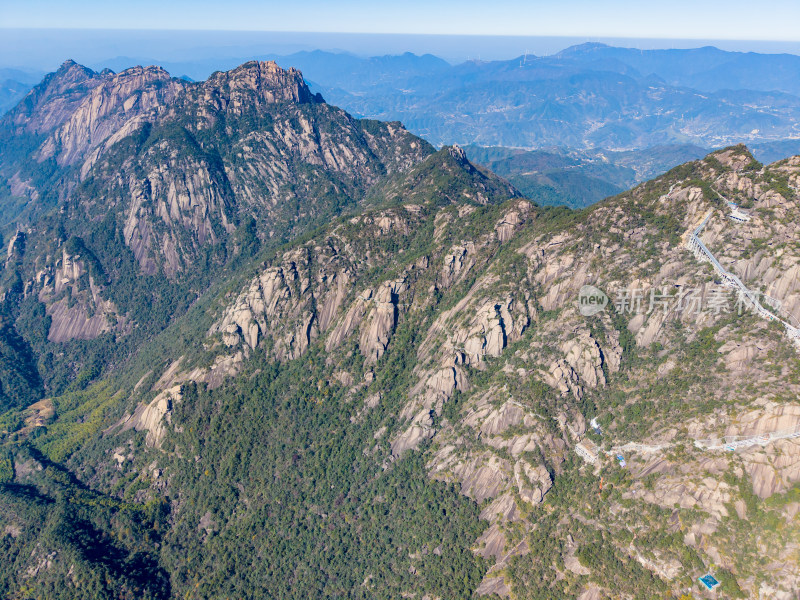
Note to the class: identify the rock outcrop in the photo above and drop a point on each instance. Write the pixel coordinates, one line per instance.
(74, 301)
(107, 108)
(55, 99)
(381, 320)
(155, 416)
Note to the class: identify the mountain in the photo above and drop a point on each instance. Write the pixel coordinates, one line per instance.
(774, 151)
(585, 97)
(179, 181)
(590, 96)
(14, 85)
(577, 178)
(445, 177)
(471, 350)
(415, 384)
(11, 92)
(707, 69)
(552, 178)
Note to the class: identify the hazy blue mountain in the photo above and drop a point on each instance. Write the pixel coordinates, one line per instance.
(14, 84)
(772, 151)
(707, 69)
(651, 162)
(577, 178)
(585, 97)
(11, 92)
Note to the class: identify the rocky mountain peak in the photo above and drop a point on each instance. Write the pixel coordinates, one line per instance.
(51, 101)
(116, 100)
(69, 66)
(139, 70)
(734, 157)
(458, 154)
(453, 159)
(262, 81)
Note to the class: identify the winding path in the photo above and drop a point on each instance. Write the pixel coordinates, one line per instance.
(701, 251)
(729, 443)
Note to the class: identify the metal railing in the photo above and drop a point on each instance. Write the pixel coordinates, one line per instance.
(702, 252)
(732, 442)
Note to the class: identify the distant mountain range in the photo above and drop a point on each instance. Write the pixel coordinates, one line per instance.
(252, 346)
(14, 84)
(588, 96)
(579, 178)
(706, 69)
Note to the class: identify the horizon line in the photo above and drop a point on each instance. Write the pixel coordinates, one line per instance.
(590, 37)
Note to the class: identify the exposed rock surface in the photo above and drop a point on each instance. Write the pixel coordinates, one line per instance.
(381, 320)
(74, 301)
(51, 102)
(155, 416)
(449, 326)
(109, 106)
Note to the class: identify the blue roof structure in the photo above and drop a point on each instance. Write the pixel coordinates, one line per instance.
(709, 581)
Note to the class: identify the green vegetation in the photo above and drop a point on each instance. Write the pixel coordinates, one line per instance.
(279, 479)
(316, 514)
(78, 543)
(779, 183)
(289, 461)
(20, 384)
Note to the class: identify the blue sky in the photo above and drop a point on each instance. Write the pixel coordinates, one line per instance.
(688, 19)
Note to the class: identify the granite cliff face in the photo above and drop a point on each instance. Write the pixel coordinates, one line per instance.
(507, 372)
(166, 183)
(117, 103)
(254, 84)
(437, 324)
(74, 301)
(54, 100)
(249, 143)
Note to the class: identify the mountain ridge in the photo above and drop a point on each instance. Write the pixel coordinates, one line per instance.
(179, 179)
(675, 110)
(335, 362)
(451, 332)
